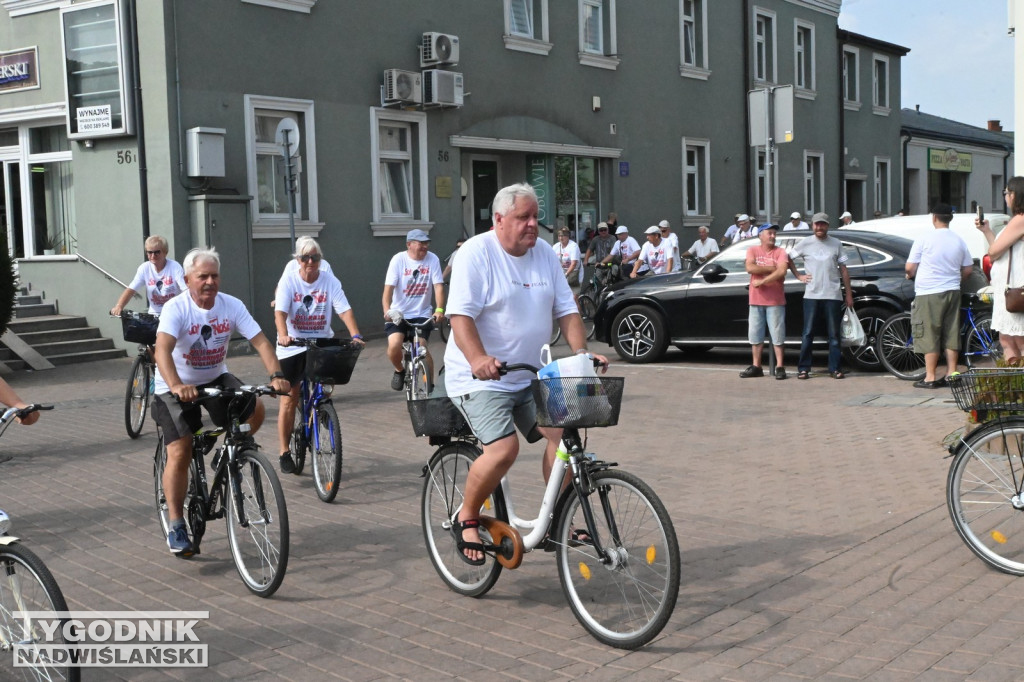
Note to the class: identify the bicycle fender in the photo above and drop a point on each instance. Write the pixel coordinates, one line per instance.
(7, 539)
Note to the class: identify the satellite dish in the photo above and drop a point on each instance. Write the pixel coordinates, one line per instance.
(293, 135)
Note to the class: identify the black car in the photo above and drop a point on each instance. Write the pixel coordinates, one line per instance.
(697, 310)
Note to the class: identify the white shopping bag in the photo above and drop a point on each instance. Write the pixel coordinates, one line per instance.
(580, 389)
(852, 331)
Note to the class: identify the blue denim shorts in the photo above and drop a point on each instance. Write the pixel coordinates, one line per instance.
(770, 318)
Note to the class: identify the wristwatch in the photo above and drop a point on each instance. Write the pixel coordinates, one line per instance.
(277, 375)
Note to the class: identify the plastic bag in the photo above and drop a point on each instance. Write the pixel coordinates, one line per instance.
(563, 404)
(851, 330)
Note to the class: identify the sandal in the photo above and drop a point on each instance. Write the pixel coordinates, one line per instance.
(838, 374)
(803, 374)
(457, 528)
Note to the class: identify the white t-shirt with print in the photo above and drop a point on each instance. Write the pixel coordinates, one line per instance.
(567, 254)
(160, 286)
(414, 282)
(308, 308)
(512, 300)
(202, 336)
(656, 257)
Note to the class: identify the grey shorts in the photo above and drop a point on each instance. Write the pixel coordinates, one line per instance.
(494, 415)
(178, 420)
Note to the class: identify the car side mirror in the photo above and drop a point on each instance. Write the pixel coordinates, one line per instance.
(713, 273)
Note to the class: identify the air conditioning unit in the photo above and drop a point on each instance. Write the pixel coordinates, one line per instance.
(439, 49)
(402, 86)
(442, 87)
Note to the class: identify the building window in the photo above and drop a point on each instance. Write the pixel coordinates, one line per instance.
(851, 82)
(526, 26)
(399, 142)
(267, 173)
(881, 85)
(764, 45)
(696, 177)
(804, 57)
(814, 182)
(881, 187)
(759, 182)
(597, 34)
(693, 39)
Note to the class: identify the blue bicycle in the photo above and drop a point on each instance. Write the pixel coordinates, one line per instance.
(329, 362)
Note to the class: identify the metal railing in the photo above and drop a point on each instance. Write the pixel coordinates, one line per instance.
(101, 271)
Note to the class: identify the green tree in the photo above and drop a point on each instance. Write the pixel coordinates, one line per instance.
(8, 284)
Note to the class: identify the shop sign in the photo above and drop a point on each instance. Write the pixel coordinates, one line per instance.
(537, 167)
(949, 160)
(94, 119)
(19, 70)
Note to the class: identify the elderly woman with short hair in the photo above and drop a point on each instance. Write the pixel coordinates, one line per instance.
(160, 277)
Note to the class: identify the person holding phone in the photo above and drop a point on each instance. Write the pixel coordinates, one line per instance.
(1007, 254)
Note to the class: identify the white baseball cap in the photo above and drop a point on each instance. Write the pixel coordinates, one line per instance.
(743, 218)
(846, 214)
(653, 229)
(664, 223)
(795, 215)
(621, 229)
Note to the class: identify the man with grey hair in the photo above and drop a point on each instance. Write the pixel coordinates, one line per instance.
(184, 368)
(703, 248)
(504, 294)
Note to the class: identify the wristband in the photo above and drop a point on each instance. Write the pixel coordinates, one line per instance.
(439, 311)
(582, 351)
(277, 375)
(357, 336)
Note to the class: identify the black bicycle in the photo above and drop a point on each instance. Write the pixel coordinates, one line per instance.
(245, 491)
(139, 328)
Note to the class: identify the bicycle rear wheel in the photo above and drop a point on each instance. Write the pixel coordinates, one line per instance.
(983, 492)
(27, 585)
(136, 396)
(587, 311)
(257, 521)
(896, 349)
(626, 600)
(192, 508)
(982, 347)
(444, 480)
(327, 452)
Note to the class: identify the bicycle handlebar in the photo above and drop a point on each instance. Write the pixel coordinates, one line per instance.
(22, 412)
(309, 342)
(505, 368)
(246, 389)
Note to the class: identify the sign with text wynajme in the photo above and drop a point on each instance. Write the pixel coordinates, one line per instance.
(19, 70)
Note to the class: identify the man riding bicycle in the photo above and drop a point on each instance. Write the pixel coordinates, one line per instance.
(411, 275)
(504, 294)
(184, 367)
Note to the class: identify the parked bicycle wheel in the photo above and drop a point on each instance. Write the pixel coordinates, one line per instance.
(983, 493)
(587, 311)
(297, 446)
(136, 396)
(257, 522)
(444, 480)
(327, 453)
(27, 585)
(627, 601)
(896, 349)
(982, 347)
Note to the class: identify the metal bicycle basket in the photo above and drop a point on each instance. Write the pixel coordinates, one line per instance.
(985, 390)
(578, 402)
(437, 417)
(332, 363)
(139, 327)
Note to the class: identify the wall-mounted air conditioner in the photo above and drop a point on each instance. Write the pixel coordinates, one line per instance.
(442, 87)
(439, 49)
(402, 86)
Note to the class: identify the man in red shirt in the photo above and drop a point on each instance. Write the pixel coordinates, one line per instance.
(767, 265)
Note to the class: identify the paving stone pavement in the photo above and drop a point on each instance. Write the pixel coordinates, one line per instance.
(810, 514)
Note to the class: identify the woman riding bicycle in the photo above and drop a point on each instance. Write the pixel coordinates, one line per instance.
(162, 278)
(302, 309)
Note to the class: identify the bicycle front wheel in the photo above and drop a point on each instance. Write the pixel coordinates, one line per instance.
(587, 311)
(444, 481)
(327, 453)
(257, 521)
(982, 347)
(27, 585)
(896, 349)
(626, 597)
(983, 493)
(421, 379)
(136, 396)
(298, 445)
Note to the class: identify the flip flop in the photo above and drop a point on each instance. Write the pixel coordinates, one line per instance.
(457, 528)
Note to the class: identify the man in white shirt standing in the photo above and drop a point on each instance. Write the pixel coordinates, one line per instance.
(703, 248)
(745, 231)
(673, 239)
(795, 222)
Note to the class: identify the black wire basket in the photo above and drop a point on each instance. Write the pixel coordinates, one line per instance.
(331, 364)
(986, 390)
(139, 327)
(437, 417)
(578, 402)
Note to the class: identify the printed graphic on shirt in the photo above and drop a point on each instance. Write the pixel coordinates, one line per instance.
(163, 289)
(312, 312)
(417, 281)
(210, 345)
(658, 258)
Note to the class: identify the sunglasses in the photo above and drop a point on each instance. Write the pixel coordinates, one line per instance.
(154, 253)
(315, 257)
(603, 229)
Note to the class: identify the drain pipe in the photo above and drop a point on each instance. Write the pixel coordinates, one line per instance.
(904, 205)
(751, 153)
(140, 128)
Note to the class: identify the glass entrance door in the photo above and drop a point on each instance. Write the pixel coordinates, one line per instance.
(576, 194)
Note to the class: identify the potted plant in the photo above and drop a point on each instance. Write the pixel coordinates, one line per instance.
(50, 244)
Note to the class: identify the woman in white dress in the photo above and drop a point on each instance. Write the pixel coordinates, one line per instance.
(1007, 252)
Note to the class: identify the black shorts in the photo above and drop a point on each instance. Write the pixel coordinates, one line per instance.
(404, 328)
(178, 420)
(294, 367)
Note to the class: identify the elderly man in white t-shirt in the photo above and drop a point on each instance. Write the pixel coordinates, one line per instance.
(703, 248)
(505, 290)
(796, 222)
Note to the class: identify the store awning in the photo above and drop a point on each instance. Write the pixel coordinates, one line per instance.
(532, 147)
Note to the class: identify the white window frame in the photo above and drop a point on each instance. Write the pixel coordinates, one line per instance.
(277, 226)
(703, 210)
(17, 8)
(699, 67)
(759, 180)
(303, 6)
(395, 226)
(814, 182)
(879, 107)
(770, 56)
(883, 186)
(606, 58)
(805, 65)
(529, 43)
(851, 104)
